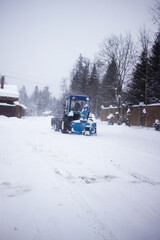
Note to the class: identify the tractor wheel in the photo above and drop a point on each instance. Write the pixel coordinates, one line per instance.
(65, 126)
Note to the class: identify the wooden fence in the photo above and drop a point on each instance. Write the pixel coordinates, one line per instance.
(138, 115)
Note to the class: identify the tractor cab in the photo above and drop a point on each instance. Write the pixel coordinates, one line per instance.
(74, 105)
(72, 110)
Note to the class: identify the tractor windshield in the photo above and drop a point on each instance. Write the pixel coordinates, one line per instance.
(77, 105)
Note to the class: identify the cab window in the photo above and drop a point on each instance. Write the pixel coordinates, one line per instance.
(77, 105)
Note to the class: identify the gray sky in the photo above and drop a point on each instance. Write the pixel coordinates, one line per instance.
(40, 40)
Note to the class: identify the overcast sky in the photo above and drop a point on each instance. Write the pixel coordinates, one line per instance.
(40, 40)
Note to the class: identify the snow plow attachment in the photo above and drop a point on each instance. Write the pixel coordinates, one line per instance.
(85, 125)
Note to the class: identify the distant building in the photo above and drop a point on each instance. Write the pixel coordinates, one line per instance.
(9, 96)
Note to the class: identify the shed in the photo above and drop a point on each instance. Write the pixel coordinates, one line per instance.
(9, 96)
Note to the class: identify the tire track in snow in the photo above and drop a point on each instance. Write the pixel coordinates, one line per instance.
(138, 177)
(98, 226)
(86, 208)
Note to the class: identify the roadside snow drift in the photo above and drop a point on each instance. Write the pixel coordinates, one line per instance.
(56, 186)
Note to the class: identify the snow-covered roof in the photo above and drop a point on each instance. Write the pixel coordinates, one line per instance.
(144, 105)
(21, 105)
(9, 91)
(7, 105)
(141, 104)
(102, 107)
(14, 104)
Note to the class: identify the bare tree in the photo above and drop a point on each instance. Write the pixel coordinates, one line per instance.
(155, 12)
(145, 39)
(122, 49)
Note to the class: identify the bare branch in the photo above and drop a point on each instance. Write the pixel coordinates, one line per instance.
(155, 12)
(123, 51)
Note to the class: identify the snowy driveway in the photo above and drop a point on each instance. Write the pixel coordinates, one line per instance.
(57, 186)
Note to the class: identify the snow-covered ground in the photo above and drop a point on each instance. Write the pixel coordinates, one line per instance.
(56, 186)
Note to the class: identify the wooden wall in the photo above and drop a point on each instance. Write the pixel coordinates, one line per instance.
(140, 115)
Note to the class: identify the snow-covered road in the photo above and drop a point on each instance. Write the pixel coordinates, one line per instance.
(57, 186)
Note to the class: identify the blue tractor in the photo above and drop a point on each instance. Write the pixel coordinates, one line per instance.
(77, 117)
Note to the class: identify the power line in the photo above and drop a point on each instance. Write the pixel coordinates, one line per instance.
(31, 79)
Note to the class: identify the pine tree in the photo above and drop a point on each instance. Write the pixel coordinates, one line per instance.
(85, 78)
(154, 76)
(35, 95)
(45, 99)
(93, 90)
(23, 97)
(109, 85)
(34, 100)
(40, 104)
(137, 88)
(79, 76)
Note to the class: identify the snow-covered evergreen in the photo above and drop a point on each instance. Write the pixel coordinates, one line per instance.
(154, 74)
(40, 102)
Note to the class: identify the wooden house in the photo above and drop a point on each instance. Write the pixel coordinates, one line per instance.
(9, 96)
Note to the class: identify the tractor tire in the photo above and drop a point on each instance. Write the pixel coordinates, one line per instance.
(65, 125)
